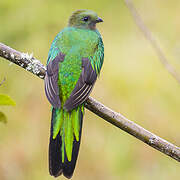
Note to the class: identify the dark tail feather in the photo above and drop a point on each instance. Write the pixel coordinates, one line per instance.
(55, 157)
(56, 167)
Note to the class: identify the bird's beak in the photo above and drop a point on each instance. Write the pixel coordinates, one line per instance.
(98, 20)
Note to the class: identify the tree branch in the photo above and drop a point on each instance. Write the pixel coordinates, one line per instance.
(148, 35)
(31, 64)
(24, 60)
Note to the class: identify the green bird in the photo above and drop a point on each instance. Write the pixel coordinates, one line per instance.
(74, 62)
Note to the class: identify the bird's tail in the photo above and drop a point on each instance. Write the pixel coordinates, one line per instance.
(65, 136)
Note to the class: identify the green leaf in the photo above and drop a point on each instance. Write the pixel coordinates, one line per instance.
(3, 118)
(6, 100)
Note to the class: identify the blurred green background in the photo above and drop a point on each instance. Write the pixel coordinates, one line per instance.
(132, 82)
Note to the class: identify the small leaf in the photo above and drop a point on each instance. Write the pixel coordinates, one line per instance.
(3, 118)
(6, 100)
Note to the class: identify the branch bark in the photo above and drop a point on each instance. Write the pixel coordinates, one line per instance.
(33, 65)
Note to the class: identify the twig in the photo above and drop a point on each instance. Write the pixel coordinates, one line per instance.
(96, 107)
(2, 81)
(148, 35)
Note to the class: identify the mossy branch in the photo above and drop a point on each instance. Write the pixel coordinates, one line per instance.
(34, 66)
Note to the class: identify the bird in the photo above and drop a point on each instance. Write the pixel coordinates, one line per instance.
(74, 62)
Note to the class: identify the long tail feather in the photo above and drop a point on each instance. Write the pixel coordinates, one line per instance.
(69, 167)
(55, 158)
(59, 161)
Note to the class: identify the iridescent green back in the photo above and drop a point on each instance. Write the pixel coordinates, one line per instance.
(75, 44)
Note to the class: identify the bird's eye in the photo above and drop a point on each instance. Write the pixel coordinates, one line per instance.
(86, 19)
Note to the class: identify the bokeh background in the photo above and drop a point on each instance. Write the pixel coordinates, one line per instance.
(133, 82)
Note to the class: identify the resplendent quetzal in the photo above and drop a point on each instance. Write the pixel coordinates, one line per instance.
(74, 62)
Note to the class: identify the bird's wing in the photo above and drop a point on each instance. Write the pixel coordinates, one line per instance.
(51, 81)
(83, 86)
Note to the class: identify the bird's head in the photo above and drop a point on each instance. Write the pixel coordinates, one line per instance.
(85, 19)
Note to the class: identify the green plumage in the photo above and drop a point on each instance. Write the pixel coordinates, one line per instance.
(75, 42)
